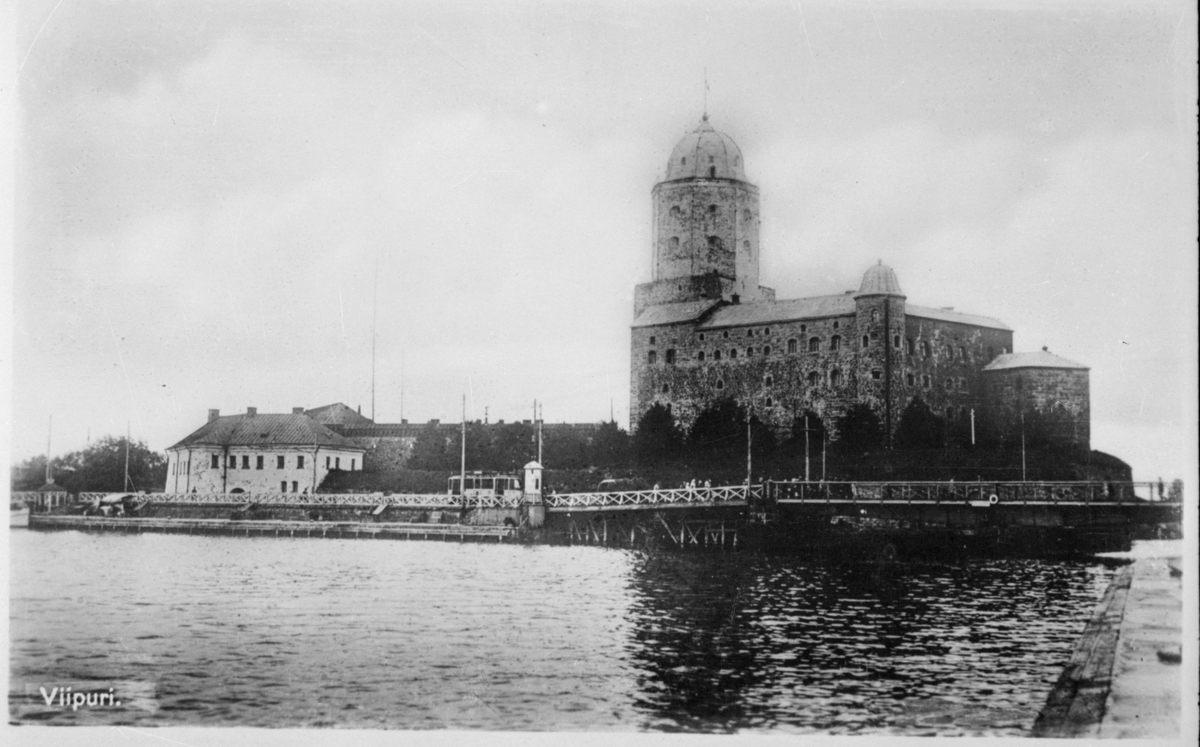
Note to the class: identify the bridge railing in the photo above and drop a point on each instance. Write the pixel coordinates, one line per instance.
(961, 492)
(699, 496)
(414, 500)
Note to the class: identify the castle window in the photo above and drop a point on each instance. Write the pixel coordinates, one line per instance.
(671, 356)
(683, 161)
(732, 353)
(813, 378)
(924, 348)
(258, 462)
(716, 355)
(949, 384)
(673, 242)
(896, 342)
(835, 378)
(749, 352)
(792, 345)
(283, 486)
(926, 381)
(836, 324)
(962, 353)
(725, 334)
(769, 381)
(770, 402)
(712, 172)
(700, 356)
(299, 461)
(232, 464)
(874, 315)
(712, 209)
(714, 242)
(701, 337)
(866, 342)
(910, 379)
(950, 352)
(337, 464)
(279, 461)
(876, 374)
(814, 344)
(803, 327)
(652, 358)
(766, 350)
(766, 330)
(245, 461)
(908, 345)
(835, 343)
(675, 212)
(666, 389)
(749, 333)
(720, 384)
(651, 339)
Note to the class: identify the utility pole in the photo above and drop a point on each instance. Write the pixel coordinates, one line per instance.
(49, 430)
(806, 472)
(972, 426)
(126, 455)
(748, 463)
(1023, 478)
(462, 468)
(539, 435)
(374, 320)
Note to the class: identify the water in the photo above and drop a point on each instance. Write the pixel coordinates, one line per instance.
(419, 635)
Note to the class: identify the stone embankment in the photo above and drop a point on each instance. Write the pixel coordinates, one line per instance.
(1124, 679)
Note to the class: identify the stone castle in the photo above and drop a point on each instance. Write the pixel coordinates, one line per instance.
(704, 329)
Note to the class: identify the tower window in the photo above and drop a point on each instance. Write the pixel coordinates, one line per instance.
(769, 381)
(712, 172)
(866, 341)
(666, 389)
(910, 379)
(874, 315)
(926, 381)
(651, 339)
(766, 349)
(673, 243)
(835, 378)
(720, 384)
(908, 345)
(749, 352)
(836, 324)
(770, 402)
(792, 345)
(712, 209)
(813, 378)
(714, 242)
(652, 358)
(924, 348)
(671, 355)
(814, 344)
(835, 343)
(876, 374)
(675, 212)
(700, 356)
(716, 355)
(962, 353)
(683, 161)
(896, 342)
(732, 353)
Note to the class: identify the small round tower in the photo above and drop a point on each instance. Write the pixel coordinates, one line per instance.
(879, 327)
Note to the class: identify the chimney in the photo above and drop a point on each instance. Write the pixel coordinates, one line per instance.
(213, 415)
(360, 409)
(297, 410)
(251, 411)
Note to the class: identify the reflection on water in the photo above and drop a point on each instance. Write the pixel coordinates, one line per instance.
(309, 632)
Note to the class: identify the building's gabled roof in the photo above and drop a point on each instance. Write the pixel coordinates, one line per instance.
(947, 315)
(337, 414)
(296, 429)
(1036, 359)
(742, 314)
(674, 313)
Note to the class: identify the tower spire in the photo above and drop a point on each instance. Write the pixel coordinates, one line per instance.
(705, 115)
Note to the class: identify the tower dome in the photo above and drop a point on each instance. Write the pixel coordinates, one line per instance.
(707, 154)
(879, 280)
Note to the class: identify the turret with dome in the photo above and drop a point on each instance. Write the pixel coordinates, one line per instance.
(705, 330)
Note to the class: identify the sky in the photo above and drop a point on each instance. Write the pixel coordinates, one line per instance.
(229, 204)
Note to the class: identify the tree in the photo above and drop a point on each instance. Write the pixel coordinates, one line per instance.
(512, 447)
(919, 427)
(718, 436)
(610, 446)
(564, 448)
(657, 436)
(859, 430)
(429, 450)
(99, 468)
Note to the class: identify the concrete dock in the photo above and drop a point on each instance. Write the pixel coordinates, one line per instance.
(1124, 678)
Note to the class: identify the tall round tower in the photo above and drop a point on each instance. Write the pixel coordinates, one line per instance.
(705, 225)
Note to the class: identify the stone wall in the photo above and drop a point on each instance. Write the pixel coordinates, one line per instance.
(1054, 398)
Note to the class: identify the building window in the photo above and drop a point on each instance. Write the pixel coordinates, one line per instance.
(814, 344)
(770, 402)
(835, 378)
(835, 343)
(283, 486)
(949, 384)
(651, 339)
(769, 381)
(716, 355)
(216, 461)
(766, 330)
(866, 342)
(714, 242)
(245, 461)
(700, 356)
(962, 353)
(803, 327)
(725, 335)
(683, 161)
(766, 350)
(279, 462)
(874, 315)
(670, 355)
(908, 345)
(720, 384)
(353, 462)
(232, 462)
(926, 381)
(962, 384)
(652, 358)
(295, 487)
(792, 346)
(949, 413)
(896, 342)
(836, 324)
(258, 462)
(712, 171)
(701, 337)
(337, 462)
(749, 333)
(910, 379)
(326, 462)
(813, 378)
(712, 209)
(749, 352)
(300, 461)
(949, 352)
(666, 389)
(876, 374)
(924, 348)
(732, 353)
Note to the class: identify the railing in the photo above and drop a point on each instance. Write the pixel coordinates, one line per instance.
(701, 496)
(965, 492)
(46, 499)
(426, 500)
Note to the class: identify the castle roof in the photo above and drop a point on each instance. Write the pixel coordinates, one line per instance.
(880, 280)
(706, 153)
(949, 315)
(294, 429)
(1037, 359)
(674, 313)
(337, 414)
(735, 315)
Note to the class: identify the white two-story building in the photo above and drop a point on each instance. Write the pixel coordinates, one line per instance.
(258, 453)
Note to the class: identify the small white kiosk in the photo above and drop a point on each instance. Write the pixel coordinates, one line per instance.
(531, 503)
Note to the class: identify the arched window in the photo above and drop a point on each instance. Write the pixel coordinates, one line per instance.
(701, 337)
(813, 378)
(836, 324)
(770, 402)
(700, 356)
(962, 353)
(732, 353)
(675, 212)
(814, 344)
(749, 352)
(835, 377)
(720, 384)
(766, 349)
(666, 389)
(673, 243)
(908, 345)
(766, 330)
(874, 315)
(725, 334)
(716, 355)
(835, 343)
(910, 379)
(792, 345)
(653, 357)
(866, 341)
(769, 381)
(671, 355)
(924, 348)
